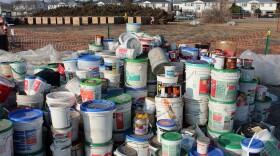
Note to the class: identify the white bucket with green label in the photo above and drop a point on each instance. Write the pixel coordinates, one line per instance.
(136, 72)
(224, 84)
(92, 149)
(229, 143)
(197, 78)
(221, 115)
(6, 137)
(19, 70)
(91, 89)
(171, 143)
(262, 110)
(247, 74)
(122, 116)
(241, 115)
(62, 137)
(249, 89)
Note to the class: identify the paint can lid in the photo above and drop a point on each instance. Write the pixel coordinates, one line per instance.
(119, 99)
(225, 70)
(99, 145)
(138, 60)
(165, 123)
(125, 36)
(197, 63)
(97, 106)
(30, 77)
(230, 140)
(127, 151)
(212, 151)
(153, 141)
(171, 136)
(256, 143)
(89, 58)
(25, 115)
(5, 125)
(137, 138)
(91, 82)
(134, 43)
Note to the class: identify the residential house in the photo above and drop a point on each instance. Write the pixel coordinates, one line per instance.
(26, 8)
(5, 8)
(162, 4)
(251, 5)
(103, 2)
(62, 4)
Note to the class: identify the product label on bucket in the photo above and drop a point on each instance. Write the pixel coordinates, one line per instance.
(25, 139)
(119, 120)
(218, 121)
(107, 154)
(36, 85)
(204, 84)
(171, 150)
(122, 120)
(222, 90)
(132, 77)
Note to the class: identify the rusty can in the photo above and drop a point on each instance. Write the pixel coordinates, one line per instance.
(173, 56)
(146, 48)
(230, 63)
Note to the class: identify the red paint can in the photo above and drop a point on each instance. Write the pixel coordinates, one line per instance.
(230, 63)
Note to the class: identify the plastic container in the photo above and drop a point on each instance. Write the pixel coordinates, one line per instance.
(99, 149)
(91, 89)
(138, 96)
(114, 80)
(149, 105)
(91, 62)
(197, 78)
(61, 97)
(224, 84)
(122, 116)
(251, 147)
(138, 143)
(261, 93)
(73, 86)
(83, 73)
(158, 60)
(202, 145)
(221, 115)
(219, 62)
(170, 108)
(33, 101)
(38, 86)
(196, 111)
(241, 115)
(134, 43)
(262, 110)
(99, 113)
(62, 136)
(70, 65)
(61, 151)
(6, 137)
(212, 151)
(171, 143)
(125, 151)
(27, 125)
(5, 69)
(74, 120)
(163, 126)
(111, 65)
(136, 72)
(133, 27)
(28, 83)
(169, 71)
(247, 74)
(229, 143)
(141, 124)
(19, 70)
(60, 114)
(154, 145)
(94, 47)
(249, 89)
(123, 53)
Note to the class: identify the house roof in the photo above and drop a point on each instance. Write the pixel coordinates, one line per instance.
(191, 1)
(153, 1)
(260, 1)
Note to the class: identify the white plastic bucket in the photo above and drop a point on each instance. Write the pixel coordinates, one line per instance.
(224, 84)
(169, 71)
(124, 150)
(122, 116)
(229, 143)
(221, 115)
(149, 105)
(100, 114)
(196, 111)
(250, 146)
(138, 96)
(179, 70)
(6, 138)
(133, 27)
(64, 97)
(99, 149)
(83, 73)
(94, 47)
(33, 101)
(91, 62)
(158, 60)
(69, 75)
(27, 125)
(111, 65)
(247, 74)
(38, 86)
(241, 115)
(139, 143)
(136, 72)
(171, 143)
(197, 78)
(251, 112)
(61, 151)
(262, 110)
(28, 83)
(74, 120)
(73, 86)
(91, 89)
(19, 70)
(249, 89)
(114, 80)
(161, 79)
(170, 108)
(60, 114)
(261, 92)
(62, 136)
(163, 126)
(77, 149)
(70, 65)
(202, 145)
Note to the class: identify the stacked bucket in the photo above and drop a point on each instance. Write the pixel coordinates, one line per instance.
(222, 104)
(197, 92)
(112, 73)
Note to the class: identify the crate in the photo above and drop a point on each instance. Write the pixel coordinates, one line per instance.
(103, 20)
(77, 21)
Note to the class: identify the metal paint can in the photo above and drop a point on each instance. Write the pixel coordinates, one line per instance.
(219, 62)
(247, 63)
(230, 62)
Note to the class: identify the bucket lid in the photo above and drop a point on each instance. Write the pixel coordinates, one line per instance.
(89, 58)
(137, 138)
(125, 36)
(256, 143)
(59, 105)
(40, 67)
(230, 140)
(30, 77)
(127, 151)
(5, 125)
(25, 115)
(225, 70)
(61, 95)
(70, 60)
(253, 81)
(171, 136)
(266, 100)
(135, 89)
(138, 59)
(165, 123)
(97, 106)
(197, 63)
(220, 102)
(91, 82)
(119, 99)
(154, 142)
(99, 145)
(212, 151)
(7, 82)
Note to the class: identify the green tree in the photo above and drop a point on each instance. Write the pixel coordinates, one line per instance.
(235, 9)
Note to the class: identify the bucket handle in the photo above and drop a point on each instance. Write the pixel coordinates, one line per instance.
(166, 110)
(18, 72)
(248, 151)
(7, 138)
(191, 75)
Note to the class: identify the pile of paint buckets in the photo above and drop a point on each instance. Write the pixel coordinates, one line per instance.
(137, 95)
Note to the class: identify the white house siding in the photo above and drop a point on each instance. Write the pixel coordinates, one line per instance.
(163, 6)
(264, 6)
(197, 6)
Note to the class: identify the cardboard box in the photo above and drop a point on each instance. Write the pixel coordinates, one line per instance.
(95, 20)
(77, 21)
(46, 20)
(68, 20)
(116, 20)
(53, 20)
(103, 20)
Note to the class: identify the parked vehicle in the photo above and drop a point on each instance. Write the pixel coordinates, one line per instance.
(184, 17)
(270, 15)
(10, 21)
